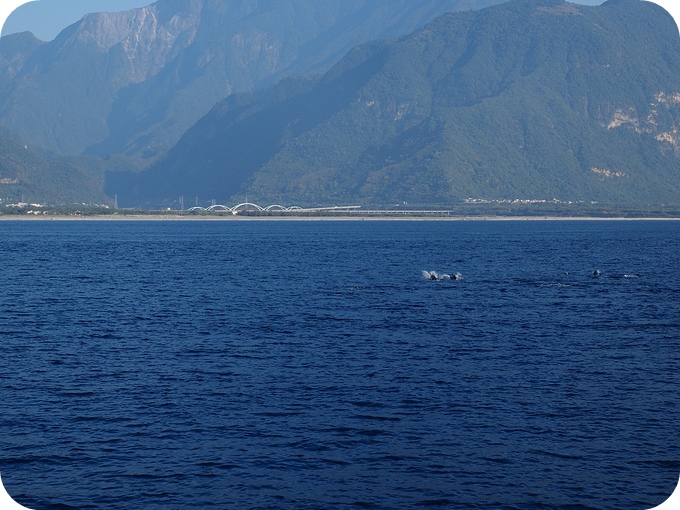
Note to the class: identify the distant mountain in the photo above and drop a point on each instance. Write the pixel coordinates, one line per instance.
(14, 51)
(133, 82)
(528, 99)
(36, 177)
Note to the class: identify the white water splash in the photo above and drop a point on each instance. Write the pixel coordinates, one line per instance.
(434, 275)
(430, 275)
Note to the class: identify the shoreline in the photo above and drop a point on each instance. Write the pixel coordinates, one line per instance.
(178, 217)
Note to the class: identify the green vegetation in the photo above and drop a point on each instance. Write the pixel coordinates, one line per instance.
(29, 177)
(92, 91)
(526, 100)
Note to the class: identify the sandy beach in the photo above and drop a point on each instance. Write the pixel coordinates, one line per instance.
(390, 217)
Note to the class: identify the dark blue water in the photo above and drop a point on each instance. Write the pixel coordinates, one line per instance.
(304, 365)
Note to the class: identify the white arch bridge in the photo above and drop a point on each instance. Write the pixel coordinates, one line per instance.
(249, 206)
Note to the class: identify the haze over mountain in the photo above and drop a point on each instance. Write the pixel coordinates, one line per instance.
(26, 174)
(442, 120)
(528, 99)
(133, 82)
(46, 18)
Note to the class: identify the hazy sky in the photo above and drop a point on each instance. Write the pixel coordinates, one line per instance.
(46, 18)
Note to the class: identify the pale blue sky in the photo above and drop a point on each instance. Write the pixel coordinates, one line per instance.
(46, 18)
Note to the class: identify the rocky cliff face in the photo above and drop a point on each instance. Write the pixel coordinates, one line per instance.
(659, 120)
(133, 82)
(528, 99)
(149, 37)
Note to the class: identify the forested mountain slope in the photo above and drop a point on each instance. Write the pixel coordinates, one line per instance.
(27, 175)
(528, 99)
(133, 82)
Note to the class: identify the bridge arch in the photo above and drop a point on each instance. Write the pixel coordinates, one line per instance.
(246, 206)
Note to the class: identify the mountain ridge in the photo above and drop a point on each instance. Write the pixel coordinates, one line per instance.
(528, 98)
(132, 82)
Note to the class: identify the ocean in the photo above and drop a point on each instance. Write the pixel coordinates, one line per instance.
(312, 365)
